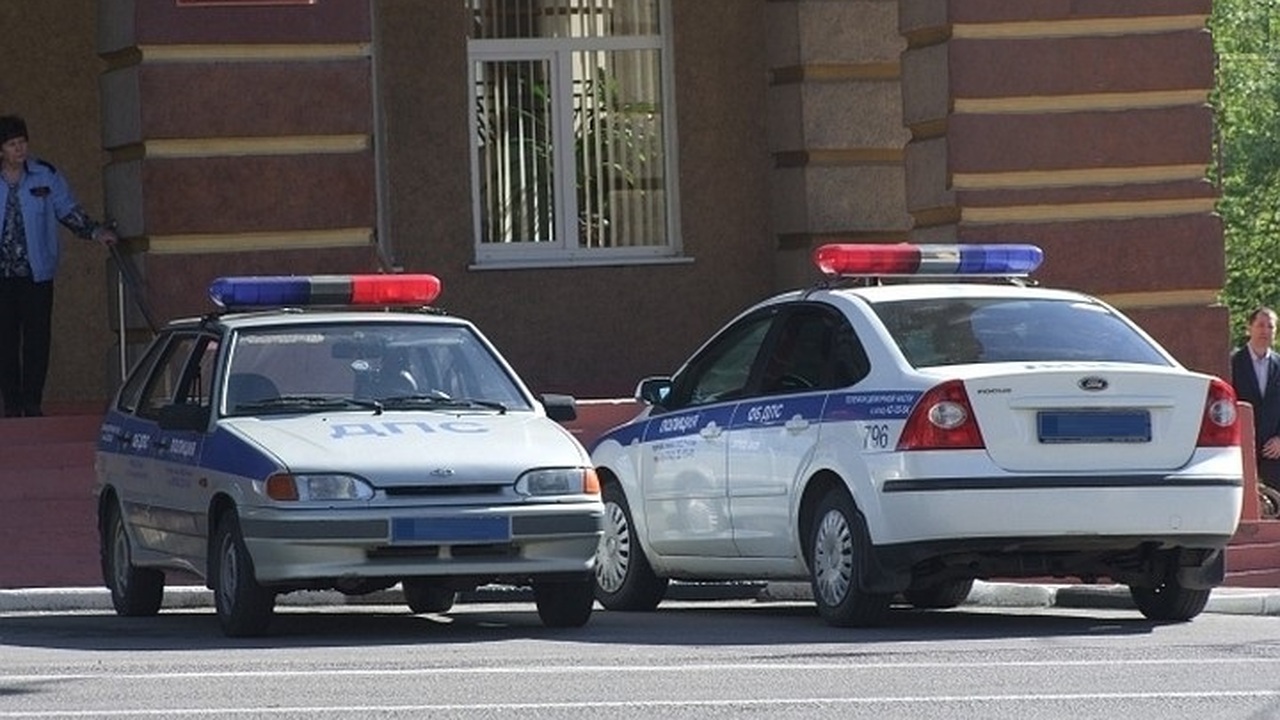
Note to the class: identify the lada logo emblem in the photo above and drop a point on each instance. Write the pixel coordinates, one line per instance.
(442, 472)
(1093, 384)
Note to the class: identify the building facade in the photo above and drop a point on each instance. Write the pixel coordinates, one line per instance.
(600, 183)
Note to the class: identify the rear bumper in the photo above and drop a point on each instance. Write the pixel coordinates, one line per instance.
(1061, 511)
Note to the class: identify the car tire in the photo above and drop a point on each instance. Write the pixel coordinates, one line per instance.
(244, 607)
(135, 591)
(564, 604)
(427, 596)
(835, 541)
(944, 595)
(1169, 601)
(624, 580)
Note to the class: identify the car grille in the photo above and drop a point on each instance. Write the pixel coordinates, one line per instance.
(490, 550)
(444, 490)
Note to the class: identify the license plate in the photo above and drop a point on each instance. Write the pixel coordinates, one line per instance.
(451, 530)
(1094, 426)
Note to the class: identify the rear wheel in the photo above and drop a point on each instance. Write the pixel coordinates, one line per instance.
(1169, 601)
(947, 594)
(135, 591)
(564, 604)
(244, 607)
(624, 580)
(427, 596)
(1268, 502)
(835, 542)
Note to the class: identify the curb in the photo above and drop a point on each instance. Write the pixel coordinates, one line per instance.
(1224, 600)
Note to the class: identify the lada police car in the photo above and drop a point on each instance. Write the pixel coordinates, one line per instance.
(335, 432)
(896, 435)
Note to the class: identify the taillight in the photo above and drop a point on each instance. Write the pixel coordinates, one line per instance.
(942, 420)
(1220, 426)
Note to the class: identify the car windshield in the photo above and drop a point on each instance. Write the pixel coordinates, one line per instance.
(956, 331)
(374, 366)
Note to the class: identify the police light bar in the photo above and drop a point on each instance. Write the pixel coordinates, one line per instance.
(845, 259)
(301, 291)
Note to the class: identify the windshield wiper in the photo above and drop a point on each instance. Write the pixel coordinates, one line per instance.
(286, 403)
(440, 400)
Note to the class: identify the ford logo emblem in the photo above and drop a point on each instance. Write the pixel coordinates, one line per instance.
(1093, 384)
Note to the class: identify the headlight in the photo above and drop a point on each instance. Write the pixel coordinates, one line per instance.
(317, 487)
(558, 481)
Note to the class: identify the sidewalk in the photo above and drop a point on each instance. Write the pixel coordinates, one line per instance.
(1225, 600)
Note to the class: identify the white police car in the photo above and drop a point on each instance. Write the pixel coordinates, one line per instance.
(883, 438)
(334, 432)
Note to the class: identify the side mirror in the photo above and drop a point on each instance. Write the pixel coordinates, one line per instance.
(184, 416)
(654, 390)
(561, 408)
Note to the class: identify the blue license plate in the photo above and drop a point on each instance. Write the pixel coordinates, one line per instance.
(1094, 426)
(451, 530)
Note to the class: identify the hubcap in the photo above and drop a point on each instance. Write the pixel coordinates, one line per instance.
(833, 559)
(120, 557)
(227, 573)
(613, 554)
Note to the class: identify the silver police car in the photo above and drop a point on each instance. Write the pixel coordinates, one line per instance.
(335, 432)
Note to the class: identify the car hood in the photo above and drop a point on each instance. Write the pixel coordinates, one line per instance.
(396, 448)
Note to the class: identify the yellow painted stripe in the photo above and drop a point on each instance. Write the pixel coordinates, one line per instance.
(250, 242)
(1107, 102)
(234, 147)
(254, 53)
(1091, 27)
(1071, 178)
(1086, 211)
(1163, 299)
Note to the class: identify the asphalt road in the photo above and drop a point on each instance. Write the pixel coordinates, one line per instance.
(721, 659)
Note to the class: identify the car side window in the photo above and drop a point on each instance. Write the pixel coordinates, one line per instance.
(723, 369)
(131, 393)
(814, 348)
(183, 374)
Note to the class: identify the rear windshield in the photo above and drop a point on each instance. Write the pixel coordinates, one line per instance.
(956, 331)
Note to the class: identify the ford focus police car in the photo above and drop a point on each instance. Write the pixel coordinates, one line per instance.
(335, 432)
(888, 438)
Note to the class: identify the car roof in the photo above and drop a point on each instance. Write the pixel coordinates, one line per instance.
(291, 316)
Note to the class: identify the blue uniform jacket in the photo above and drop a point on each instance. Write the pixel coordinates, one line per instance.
(46, 201)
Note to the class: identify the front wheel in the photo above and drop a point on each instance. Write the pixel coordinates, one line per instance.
(564, 604)
(244, 607)
(135, 591)
(944, 595)
(426, 596)
(1169, 601)
(624, 579)
(835, 542)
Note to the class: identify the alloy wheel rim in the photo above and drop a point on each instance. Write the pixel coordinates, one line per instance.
(833, 558)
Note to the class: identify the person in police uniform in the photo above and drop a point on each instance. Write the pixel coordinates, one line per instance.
(1255, 373)
(37, 199)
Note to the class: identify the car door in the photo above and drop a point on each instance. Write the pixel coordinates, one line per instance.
(167, 507)
(683, 456)
(811, 352)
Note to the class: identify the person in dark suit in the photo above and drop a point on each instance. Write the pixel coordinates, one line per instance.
(1255, 373)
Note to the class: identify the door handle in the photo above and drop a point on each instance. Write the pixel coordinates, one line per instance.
(796, 425)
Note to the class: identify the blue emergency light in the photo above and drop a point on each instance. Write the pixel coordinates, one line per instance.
(326, 290)
(864, 259)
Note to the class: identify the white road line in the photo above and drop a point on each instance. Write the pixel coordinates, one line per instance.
(596, 704)
(118, 674)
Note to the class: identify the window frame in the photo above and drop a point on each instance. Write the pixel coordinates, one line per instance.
(558, 53)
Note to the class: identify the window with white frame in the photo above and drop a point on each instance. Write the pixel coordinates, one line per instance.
(572, 132)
